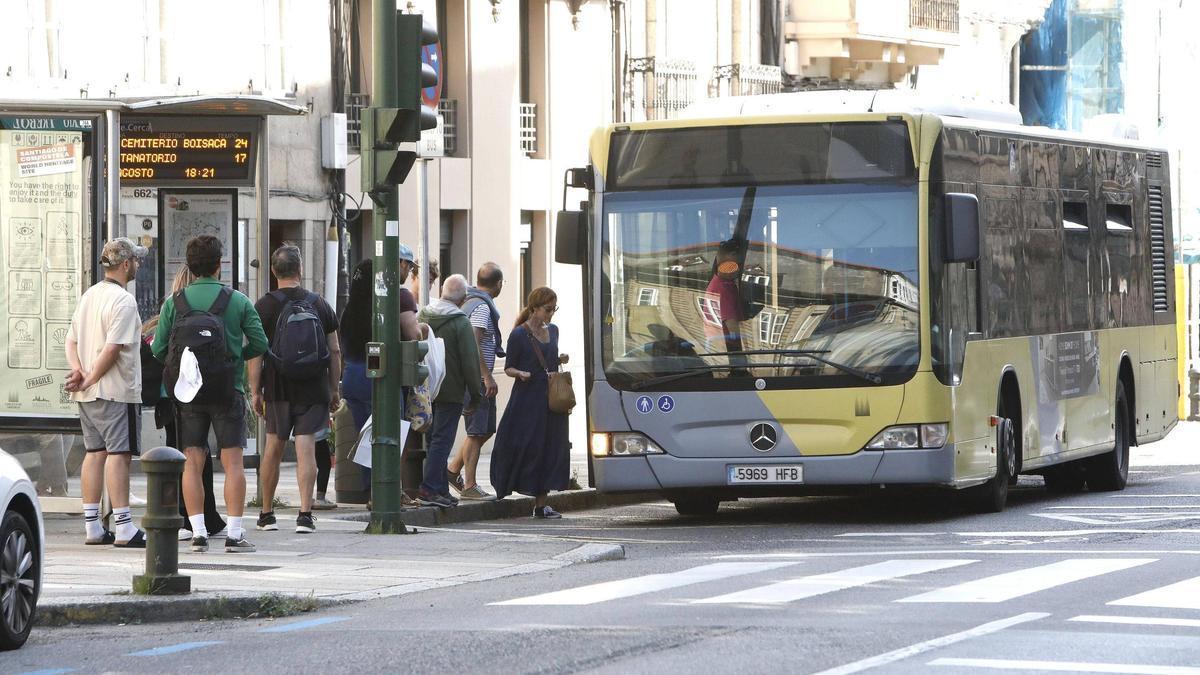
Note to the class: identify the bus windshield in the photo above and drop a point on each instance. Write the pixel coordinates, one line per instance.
(811, 284)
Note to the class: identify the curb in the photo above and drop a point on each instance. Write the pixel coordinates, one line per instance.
(511, 507)
(124, 609)
(585, 553)
(145, 609)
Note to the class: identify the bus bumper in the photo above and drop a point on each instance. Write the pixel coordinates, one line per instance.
(888, 467)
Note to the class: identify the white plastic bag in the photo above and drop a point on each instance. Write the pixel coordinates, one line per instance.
(435, 361)
(362, 449)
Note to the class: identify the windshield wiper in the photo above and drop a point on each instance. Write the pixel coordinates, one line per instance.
(806, 353)
(663, 379)
(814, 354)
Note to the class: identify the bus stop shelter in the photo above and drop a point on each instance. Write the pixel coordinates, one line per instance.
(78, 172)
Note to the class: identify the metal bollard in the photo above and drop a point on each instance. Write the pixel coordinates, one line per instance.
(163, 467)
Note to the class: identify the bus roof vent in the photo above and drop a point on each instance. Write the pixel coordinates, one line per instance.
(1158, 250)
(845, 101)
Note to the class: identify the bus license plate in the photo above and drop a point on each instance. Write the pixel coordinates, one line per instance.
(766, 475)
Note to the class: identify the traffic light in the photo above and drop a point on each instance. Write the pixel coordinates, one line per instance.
(412, 363)
(414, 38)
(384, 165)
(406, 106)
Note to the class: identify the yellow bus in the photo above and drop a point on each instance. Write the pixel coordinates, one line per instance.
(803, 292)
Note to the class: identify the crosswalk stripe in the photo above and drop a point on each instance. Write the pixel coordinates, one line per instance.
(625, 588)
(818, 584)
(1138, 620)
(1066, 666)
(1009, 585)
(1183, 595)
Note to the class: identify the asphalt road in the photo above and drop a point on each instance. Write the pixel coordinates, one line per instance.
(897, 582)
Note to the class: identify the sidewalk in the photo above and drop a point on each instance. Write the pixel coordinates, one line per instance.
(289, 572)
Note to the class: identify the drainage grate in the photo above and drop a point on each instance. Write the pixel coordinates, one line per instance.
(231, 568)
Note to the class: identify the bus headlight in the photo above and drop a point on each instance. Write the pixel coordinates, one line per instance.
(910, 436)
(934, 435)
(623, 444)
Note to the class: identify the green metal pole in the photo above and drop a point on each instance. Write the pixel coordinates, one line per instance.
(385, 451)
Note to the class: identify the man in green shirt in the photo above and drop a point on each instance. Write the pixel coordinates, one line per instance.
(245, 342)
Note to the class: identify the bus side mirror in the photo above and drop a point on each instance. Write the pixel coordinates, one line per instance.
(570, 238)
(962, 227)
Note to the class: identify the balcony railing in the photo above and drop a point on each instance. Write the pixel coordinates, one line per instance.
(939, 15)
(448, 109)
(355, 104)
(660, 88)
(745, 80)
(528, 115)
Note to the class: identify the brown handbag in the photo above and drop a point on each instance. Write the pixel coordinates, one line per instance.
(562, 393)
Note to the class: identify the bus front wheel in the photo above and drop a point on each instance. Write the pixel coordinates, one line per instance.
(992, 496)
(1110, 471)
(697, 505)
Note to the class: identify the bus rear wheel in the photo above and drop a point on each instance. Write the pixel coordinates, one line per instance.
(992, 496)
(697, 505)
(1110, 471)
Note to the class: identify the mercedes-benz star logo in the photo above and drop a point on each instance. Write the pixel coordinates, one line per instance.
(763, 437)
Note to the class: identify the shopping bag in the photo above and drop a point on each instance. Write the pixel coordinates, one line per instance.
(435, 362)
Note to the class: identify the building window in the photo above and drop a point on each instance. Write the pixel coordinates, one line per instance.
(805, 329)
(648, 297)
(710, 310)
(770, 327)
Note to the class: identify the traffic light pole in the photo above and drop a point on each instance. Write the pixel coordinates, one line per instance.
(387, 397)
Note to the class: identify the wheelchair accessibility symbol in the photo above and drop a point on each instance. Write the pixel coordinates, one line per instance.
(666, 404)
(644, 405)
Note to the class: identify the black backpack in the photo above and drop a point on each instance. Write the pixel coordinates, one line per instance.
(299, 349)
(204, 332)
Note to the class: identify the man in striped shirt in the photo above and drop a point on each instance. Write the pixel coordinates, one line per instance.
(481, 424)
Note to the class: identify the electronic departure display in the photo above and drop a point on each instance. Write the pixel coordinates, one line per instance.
(186, 156)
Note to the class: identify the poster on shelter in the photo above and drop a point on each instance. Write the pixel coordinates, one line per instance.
(190, 214)
(41, 277)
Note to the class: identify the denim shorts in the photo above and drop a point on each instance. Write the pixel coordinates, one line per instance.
(482, 422)
(228, 421)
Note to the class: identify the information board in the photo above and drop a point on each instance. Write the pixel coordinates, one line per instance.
(187, 151)
(41, 267)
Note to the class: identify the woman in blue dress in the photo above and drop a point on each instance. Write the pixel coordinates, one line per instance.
(532, 451)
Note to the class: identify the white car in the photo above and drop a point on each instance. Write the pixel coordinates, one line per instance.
(22, 543)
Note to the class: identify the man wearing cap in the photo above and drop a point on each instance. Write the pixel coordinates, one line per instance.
(106, 381)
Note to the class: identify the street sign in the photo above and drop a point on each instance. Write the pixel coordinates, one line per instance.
(433, 141)
(432, 56)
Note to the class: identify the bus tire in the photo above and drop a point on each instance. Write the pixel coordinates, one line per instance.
(1110, 471)
(697, 505)
(992, 496)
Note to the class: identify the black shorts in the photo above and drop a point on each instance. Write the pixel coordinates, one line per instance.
(227, 420)
(284, 419)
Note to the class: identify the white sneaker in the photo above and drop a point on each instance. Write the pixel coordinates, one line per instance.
(184, 534)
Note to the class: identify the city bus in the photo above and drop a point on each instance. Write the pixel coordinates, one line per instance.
(802, 293)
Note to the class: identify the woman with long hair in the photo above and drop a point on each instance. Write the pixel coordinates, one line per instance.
(532, 455)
